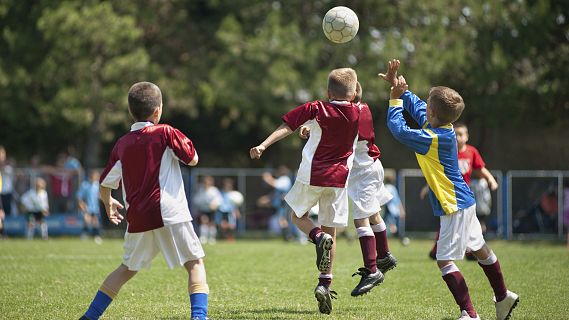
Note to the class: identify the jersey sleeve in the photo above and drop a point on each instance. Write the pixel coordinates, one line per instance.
(112, 175)
(477, 161)
(181, 146)
(417, 139)
(416, 107)
(299, 115)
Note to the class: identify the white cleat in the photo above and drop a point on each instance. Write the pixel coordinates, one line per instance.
(465, 316)
(505, 307)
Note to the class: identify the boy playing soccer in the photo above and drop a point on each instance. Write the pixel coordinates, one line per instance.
(470, 162)
(451, 198)
(326, 162)
(146, 162)
(367, 194)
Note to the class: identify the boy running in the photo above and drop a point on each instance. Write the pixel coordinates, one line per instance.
(436, 150)
(146, 162)
(367, 194)
(323, 173)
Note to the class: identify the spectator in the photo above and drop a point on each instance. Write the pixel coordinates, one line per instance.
(541, 217)
(88, 200)
(207, 200)
(281, 185)
(483, 197)
(61, 179)
(228, 211)
(394, 209)
(7, 190)
(35, 202)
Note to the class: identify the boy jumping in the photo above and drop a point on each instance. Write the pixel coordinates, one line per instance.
(326, 162)
(146, 162)
(452, 200)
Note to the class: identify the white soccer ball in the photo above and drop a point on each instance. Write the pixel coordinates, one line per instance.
(340, 24)
(236, 198)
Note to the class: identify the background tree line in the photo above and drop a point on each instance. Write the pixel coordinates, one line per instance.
(230, 69)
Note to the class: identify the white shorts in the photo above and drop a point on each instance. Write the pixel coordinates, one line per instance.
(459, 231)
(333, 203)
(177, 242)
(366, 190)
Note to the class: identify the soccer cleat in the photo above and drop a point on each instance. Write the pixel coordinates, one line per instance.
(505, 307)
(323, 248)
(324, 296)
(387, 263)
(465, 316)
(367, 282)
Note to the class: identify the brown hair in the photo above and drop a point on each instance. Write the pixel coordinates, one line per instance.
(143, 99)
(459, 125)
(342, 83)
(447, 104)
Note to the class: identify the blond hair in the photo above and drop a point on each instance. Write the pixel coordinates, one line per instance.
(342, 83)
(447, 104)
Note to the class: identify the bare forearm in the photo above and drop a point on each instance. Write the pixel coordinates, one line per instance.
(281, 132)
(105, 195)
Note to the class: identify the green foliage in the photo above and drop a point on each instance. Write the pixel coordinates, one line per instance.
(236, 66)
(269, 279)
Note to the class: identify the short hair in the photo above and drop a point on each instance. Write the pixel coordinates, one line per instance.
(143, 99)
(359, 93)
(342, 83)
(447, 103)
(460, 125)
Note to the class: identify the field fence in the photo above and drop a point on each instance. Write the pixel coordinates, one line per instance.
(526, 205)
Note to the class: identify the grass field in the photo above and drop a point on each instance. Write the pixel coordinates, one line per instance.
(269, 279)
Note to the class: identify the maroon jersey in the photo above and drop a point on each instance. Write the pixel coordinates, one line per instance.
(468, 160)
(146, 160)
(328, 154)
(366, 151)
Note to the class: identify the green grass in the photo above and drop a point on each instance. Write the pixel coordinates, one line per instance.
(268, 279)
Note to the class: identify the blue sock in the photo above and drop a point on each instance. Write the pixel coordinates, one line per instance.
(198, 303)
(98, 306)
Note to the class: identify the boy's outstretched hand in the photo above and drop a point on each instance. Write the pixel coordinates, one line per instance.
(399, 87)
(391, 74)
(256, 152)
(113, 211)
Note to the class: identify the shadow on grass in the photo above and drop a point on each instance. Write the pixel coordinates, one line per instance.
(269, 313)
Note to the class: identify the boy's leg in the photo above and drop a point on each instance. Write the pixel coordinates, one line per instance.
(322, 291)
(457, 286)
(197, 288)
(505, 300)
(31, 228)
(385, 260)
(43, 229)
(109, 289)
(433, 252)
(371, 276)
(324, 242)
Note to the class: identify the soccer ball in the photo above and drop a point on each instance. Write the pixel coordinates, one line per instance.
(236, 198)
(340, 24)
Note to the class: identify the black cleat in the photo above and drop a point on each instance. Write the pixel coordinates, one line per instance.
(387, 263)
(323, 248)
(324, 296)
(367, 282)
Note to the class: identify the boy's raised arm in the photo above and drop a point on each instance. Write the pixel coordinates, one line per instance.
(281, 132)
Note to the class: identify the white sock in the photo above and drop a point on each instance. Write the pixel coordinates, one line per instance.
(449, 268)
(490, 260)
(379, 227)
(364, 232)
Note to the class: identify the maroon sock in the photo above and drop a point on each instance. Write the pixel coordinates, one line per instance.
(367, 243)
(494, 275)
(315, 234)
(325, 282)
(459, 290)
(381, 244)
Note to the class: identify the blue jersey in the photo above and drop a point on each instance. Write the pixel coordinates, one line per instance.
(436, 153)
(89, 193)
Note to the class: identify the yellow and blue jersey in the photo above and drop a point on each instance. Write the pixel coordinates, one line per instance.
(436, 153)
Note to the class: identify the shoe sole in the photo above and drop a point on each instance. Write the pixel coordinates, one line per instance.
(512, 308)
(366, 290)
(324, 263)
(324, 304)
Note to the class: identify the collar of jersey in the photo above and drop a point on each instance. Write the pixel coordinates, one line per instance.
(139, 125)
(341, 102)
